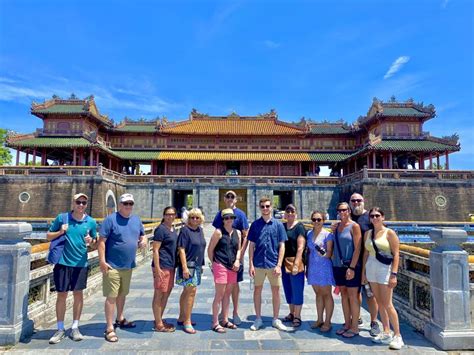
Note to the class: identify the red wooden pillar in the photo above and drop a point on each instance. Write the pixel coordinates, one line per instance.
(110, 163)
(186, 170)
(374, 161)
(34, 156)
(250, 168)
(27, 156)
(215, 167)
(44, 158)
(18, 156)
(421, 164)
(279, 168)
(313, 167)
(437, 161)
(97, 159)
(74, 157)
(166, 167)
(390, 160)
(91, 157)
(431, 160)
(368, 160)
(447, 161)
(300, 169)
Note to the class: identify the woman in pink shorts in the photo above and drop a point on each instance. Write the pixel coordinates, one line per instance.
(224, 251)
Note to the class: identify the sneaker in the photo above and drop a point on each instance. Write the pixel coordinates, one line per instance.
(257, 324)
(397, 343)
(58, 336)
(236, 320)
(76, 335)
(383, 338)
(374, 329)
(278, 324)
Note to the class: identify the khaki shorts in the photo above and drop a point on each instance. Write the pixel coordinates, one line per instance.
(260, 275)
(116, 282)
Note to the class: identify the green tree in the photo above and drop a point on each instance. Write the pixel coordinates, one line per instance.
(5, 155)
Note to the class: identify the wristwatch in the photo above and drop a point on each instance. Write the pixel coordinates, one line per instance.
(393, 274)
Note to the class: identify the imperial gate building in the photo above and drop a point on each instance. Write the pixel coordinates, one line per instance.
(194, 161)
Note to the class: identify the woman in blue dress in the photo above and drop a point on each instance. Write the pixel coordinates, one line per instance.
(320, 273)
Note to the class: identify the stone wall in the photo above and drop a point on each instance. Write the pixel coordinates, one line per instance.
(49, 196)
(417, 200)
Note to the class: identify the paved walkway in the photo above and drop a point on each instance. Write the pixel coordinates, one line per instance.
(241, 341)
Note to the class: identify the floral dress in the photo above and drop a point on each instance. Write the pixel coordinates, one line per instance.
(319, 267)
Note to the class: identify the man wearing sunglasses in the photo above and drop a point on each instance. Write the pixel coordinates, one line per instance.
(267, 237)
(70, 273)
(241, 223)
(361, 216)
(121, 234)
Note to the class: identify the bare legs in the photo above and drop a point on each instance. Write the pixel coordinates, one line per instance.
(388, 313)
(350, 307)
(186, 304)
(324, 301)
(160, 299)
(223, 293)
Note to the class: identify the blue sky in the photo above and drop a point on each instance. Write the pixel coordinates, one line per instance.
(318, 59)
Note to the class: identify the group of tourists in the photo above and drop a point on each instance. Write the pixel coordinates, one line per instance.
(357, 253)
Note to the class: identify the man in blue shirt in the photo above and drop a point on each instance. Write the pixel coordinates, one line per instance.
(70, 273)
(120, 235)
(242, 224)
(267, 238)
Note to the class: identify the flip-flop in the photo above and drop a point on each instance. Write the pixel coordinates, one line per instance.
(229, 325)
(341, 330)
(165, 328)
(189, 329)
(325, 329)
(219, 329)
(349, 334)
(316, 325)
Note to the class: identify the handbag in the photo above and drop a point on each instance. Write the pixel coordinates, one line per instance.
(191, 268)
(289, 262)
(56, 247)
(384, 259)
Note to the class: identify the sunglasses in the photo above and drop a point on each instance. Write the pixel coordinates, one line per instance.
(316, 219)
(342, 210)
(81, 203)
(265, 206)
(195, 217)
(228, 217)
(375, 215)
(230, 196)
(170, 214)
(128, 203)
(356, 200)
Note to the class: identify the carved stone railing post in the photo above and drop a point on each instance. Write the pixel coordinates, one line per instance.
(450, 326)
(14, 283)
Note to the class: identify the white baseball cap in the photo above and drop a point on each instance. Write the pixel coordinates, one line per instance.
(126, 197)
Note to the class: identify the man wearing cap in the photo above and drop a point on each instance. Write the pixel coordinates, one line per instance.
(121, 234)
(241, 223)
(267, 237)
(70, 273)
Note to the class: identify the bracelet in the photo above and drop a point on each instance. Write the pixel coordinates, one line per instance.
(393, 274)
(351, 268)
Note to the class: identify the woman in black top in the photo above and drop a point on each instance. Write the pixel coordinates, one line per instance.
(292, 273)
(164, 259)
(224, 252)
(191, 246)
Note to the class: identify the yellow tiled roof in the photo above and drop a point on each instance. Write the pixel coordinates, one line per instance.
(233, 126)
(233, 156)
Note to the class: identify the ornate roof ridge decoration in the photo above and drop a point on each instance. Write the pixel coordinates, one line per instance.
(88, 106)
(13, 136)
(449, 140)
(138, 122)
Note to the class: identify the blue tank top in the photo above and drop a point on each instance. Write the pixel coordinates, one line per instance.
(346, 245)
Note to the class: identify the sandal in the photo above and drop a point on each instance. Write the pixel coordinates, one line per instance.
(165, 328)
(229, 325)
(110, 336)
(349, 334)
(342, 330)
(316, 325)
(218, 329)
(296, 322)
(124, 324)
(289, 318)
(325, 328)
(189, 329)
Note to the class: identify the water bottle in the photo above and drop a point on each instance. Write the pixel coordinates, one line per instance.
(368, 290)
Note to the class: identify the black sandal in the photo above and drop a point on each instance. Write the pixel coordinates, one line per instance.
(289, 318)
(124, 324)
(229, 325)
(296, 322)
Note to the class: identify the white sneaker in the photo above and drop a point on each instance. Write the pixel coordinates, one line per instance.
(257, 324)
(397, 343)
(278, 324)
(383, 338)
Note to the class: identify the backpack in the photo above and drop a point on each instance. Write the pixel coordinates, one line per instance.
(56, 247)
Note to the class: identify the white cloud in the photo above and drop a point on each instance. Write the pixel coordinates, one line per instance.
(271, 44)
(396, 66)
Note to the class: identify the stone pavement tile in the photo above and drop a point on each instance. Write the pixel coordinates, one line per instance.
(326, 345)
(266, 352)
(35, 352)
(186, 342)
(231, 334)
(235, 345)
(327, 352)
(262, 335)
(278, 344)
(218, 352)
